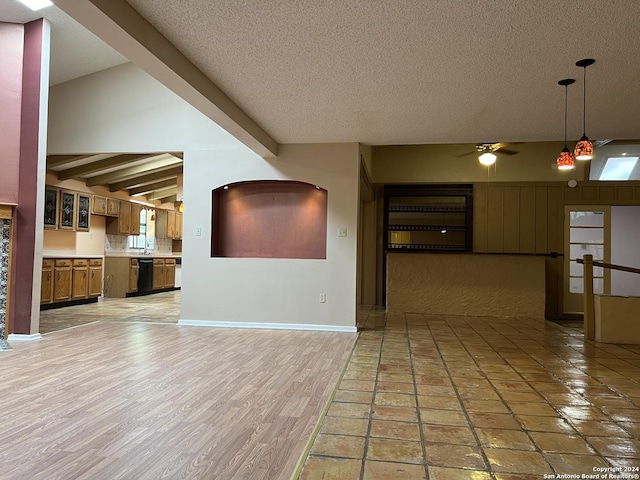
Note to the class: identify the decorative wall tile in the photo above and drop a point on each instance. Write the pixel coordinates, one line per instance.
(5, 231)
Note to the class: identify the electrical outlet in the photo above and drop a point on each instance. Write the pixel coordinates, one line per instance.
(323, 298)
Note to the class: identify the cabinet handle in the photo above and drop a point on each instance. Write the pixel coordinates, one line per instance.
(58, 275)
(49, 276)
(84, 274)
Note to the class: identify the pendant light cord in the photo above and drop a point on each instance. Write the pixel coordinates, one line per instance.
(565, 115)
(584, 102)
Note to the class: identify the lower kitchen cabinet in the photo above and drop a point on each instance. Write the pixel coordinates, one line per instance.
(158, 273)
(169, 272)
(62, 280)
(66, 280)
(134, 270)
(46, 286)
(80, 279)
(95, 277)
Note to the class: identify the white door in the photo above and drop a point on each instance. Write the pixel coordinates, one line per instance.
(587, 232)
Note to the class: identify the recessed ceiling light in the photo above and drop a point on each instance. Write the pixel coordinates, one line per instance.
(36, 4)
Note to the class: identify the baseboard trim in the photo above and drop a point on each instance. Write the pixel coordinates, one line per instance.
(20, 337)
(268, 326)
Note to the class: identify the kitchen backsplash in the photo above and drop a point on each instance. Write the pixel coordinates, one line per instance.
(120, 243)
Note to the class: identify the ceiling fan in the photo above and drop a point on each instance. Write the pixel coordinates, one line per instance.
(487, 152)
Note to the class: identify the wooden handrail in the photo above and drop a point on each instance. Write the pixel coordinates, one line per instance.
(611, 266)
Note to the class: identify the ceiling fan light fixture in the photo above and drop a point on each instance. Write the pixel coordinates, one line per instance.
(565, 160)
(487, 158)
(584, 147)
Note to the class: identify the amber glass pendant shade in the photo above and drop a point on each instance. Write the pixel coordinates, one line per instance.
(565, 160)
(584, 149)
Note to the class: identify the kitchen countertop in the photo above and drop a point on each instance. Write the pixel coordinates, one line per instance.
(140, 255)
(68, 255)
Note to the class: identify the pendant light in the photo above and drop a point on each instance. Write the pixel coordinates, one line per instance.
(584, 147)
(565, 161)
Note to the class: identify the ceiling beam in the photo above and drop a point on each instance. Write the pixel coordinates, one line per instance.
(144, 179)
(54, 161)
(136, 170)
(119, 25)
(170, 199)
(153, 186)
(100, 165)
(160, 194)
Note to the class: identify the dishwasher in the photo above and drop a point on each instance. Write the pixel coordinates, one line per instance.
(145, 275)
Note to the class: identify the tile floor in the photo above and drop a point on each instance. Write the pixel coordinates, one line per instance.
(447, 398)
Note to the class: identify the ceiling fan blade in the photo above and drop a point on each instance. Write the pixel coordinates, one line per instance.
(466, 154)
(506, 151)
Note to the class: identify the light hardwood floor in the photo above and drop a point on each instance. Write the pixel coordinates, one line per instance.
(115, 400)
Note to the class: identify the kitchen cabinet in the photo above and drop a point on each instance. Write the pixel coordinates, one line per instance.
(158, 273)
(178, 229)
(99, 205)
(121, 225)
(169, 272)
(51, 203)
(46, 285)
(62, 280)
(171, 224)
(168, 224)
(113, 207)
(95, 277)
(135, 219)
(79, 279)
(83, 209)
(67, 217)
(133, 275)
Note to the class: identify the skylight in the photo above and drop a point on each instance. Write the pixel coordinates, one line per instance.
(618, 168)
(36, 4)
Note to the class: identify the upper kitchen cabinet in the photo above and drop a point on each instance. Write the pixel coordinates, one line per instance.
(99, 206)
(168, 224)
(68, 205)
(51, 199)
(134, 228)
(83, 208)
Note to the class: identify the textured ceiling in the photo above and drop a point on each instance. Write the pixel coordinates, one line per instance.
(407, 71)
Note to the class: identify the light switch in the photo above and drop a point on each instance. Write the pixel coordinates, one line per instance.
(342, 232)
(198, 231)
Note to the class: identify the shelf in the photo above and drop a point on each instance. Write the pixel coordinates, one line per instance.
(427, 208)
(427, 228)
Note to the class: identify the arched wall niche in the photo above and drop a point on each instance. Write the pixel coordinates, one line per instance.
(269, 219)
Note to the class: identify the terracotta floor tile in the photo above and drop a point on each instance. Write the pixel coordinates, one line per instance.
(619, 447)
(486, 406)
(395, 377)
(456, 456)
(442, 403)
(362, 385)
(387, 470)
(392, 387)
(353, 396)
(545, 424)
(623, 415)
(395, 399)
(519, 396)
(435, 390)
(499, 438)
(391, 450)
(448, 434)
(494, 420)
(529, 408)
(338, 446)
(353, 410)
(397, 430)
(567, 399)
(623, 462)
(402, 414)
(442, 417)
(516, 476)
(594, 428)
(345, 426)
(633, 428)
(560, 443)
(441, 473)
(364, 359)
(516, 461)
(360, 375)
(478, 393)
(331, 469)
(432, 380)
(576, 464)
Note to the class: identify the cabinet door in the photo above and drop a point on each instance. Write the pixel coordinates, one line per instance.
(135, 219)
(67, 210)
(99, 205)
(133, 275)
(95, 277)
(178, 232)
(124, 218)
(170, 273)
(51, 198)
(83, 208)
(62, 281)
(80, 279)
(171, 224)
(46, 288)
(158, 273)
(161, 224)
(113, 207)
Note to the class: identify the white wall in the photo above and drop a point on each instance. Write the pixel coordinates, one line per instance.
(625, 249)
(124, 110)
(285, 292)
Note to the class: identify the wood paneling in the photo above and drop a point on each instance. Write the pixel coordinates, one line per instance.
(480, 218)
(495, 218)
(624, 194)
(527, 220)
(540, 220)
(511, 220)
